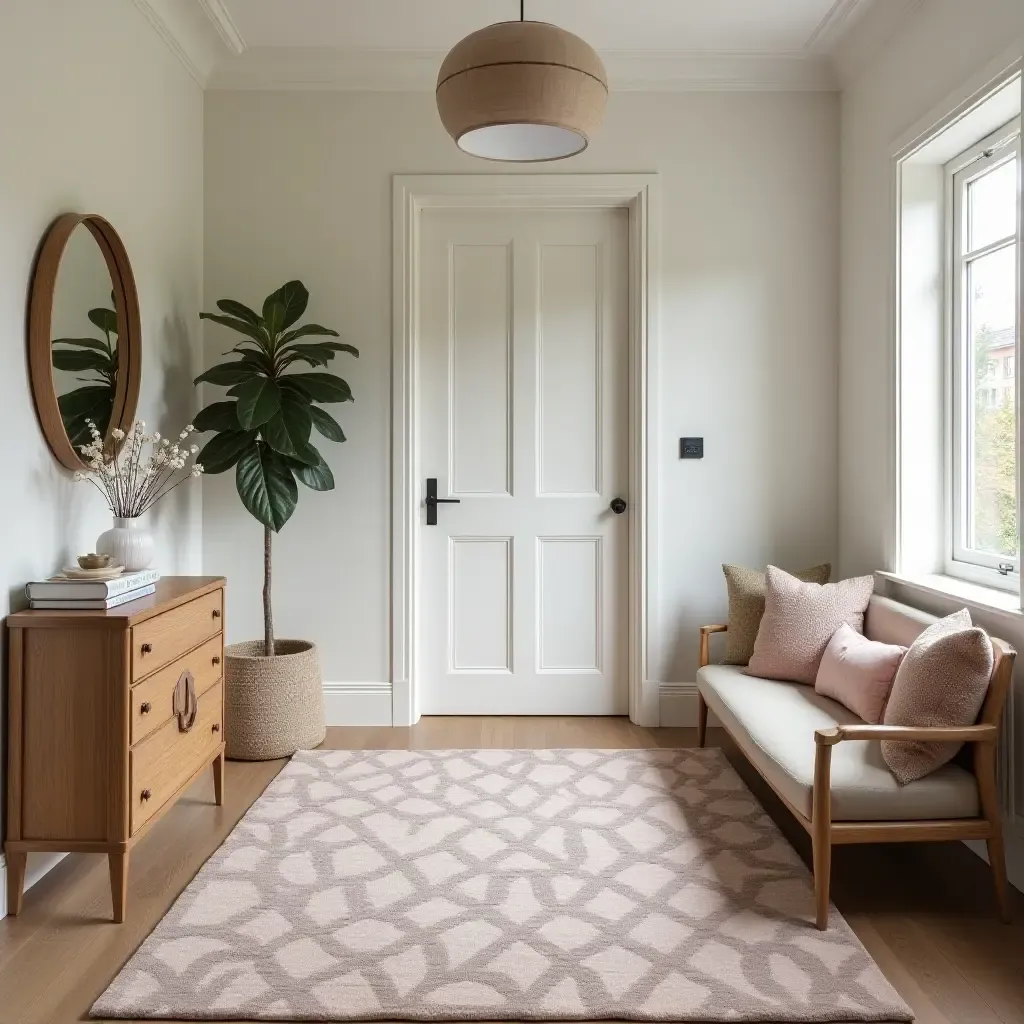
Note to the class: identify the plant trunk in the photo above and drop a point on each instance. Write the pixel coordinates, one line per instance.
(268, 613)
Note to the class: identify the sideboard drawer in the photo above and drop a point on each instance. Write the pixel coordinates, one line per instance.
(166, 758)
(153, 698)
(159, 640)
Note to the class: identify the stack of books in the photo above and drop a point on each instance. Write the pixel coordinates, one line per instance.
(62, 592)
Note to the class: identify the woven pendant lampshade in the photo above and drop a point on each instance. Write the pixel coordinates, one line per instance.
(522, 91)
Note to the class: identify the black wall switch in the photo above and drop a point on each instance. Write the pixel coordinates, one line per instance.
(691, 447)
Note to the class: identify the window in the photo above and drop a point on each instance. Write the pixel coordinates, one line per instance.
(983, 195)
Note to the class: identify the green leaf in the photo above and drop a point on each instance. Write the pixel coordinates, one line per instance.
(240, 311)
(326, 424)
(306, 330)
(288, 430)
(218, 416)
(69, 359)
(317, 477)
(254, 331)
(319, 387)
(273, 317)
(104, 319)
(258, 399)
(313, 355)
(266, 486)
(224, 450)
(82, 401)
(93, 343)
(292, 298)
(228, 373)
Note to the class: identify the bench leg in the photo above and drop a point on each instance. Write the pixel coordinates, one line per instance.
(821, 833)
(702, 719)
(988, 791)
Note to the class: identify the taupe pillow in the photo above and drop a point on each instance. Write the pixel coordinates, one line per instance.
(799, 620)
(746, 606)
(941, 681)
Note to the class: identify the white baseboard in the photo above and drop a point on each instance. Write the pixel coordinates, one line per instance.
(679, 706)
(38, 865)
(357, 703)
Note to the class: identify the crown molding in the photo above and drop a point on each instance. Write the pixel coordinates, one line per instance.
(841, 16)
(222, 21)
(328, 69)
(868, 28)
(193, 32)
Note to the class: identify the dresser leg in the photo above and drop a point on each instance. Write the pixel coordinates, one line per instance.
(118, 884)
(15, 881)
(218, 779)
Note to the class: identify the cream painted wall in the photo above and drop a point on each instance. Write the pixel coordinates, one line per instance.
(944, 45)
(97, 116)
(299, 185)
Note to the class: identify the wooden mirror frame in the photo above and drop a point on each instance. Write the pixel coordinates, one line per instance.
(129, 332)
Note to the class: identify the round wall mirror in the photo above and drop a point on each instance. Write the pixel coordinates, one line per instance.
(83, 335)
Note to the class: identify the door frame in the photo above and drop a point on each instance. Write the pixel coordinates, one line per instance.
(639, 194)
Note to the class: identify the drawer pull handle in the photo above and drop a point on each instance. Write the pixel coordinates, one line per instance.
(185, 703)
(215, 727)
(216, 659)
(145, 794)
(216, 613)
(147, 648)
(145, 708)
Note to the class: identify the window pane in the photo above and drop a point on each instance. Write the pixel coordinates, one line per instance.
(992, 205)
(991, 318)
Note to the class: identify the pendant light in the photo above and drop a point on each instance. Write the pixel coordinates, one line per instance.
(522, 91)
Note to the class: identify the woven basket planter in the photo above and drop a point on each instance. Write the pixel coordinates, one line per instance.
(273, 706)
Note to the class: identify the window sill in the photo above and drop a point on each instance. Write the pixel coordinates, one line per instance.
(1003, 602)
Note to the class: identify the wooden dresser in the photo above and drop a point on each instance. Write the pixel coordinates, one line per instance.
(111, 715)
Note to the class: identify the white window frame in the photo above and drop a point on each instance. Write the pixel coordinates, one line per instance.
(969, 564)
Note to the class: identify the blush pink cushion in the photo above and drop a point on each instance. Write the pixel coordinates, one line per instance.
(858, 672)
(942, 681)
(800, 619)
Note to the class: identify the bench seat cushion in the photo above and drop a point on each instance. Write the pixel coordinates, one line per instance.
(773, 723)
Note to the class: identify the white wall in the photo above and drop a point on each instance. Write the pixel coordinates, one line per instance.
(298, 184)
(97, 116)
(943, 46)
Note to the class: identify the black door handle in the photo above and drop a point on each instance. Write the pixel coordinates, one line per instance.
(433, 501)
(618, 506)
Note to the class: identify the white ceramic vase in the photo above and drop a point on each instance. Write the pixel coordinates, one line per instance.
(130, 542)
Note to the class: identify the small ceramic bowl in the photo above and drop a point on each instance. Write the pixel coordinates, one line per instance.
(94, 561)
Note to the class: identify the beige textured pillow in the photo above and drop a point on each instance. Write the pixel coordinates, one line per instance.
(942, 680)
(746, 606)
(800, 619)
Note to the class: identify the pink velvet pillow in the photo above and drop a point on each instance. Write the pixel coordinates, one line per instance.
(858, 672)
(800, 619)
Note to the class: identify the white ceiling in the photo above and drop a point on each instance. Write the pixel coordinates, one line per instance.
(761, 26)
(646, 44)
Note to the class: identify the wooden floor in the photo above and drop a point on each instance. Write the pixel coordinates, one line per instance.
(924, 912)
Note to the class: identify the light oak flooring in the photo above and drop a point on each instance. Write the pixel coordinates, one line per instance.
(925, 912)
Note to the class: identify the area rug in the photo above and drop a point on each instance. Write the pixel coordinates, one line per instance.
(641, 885)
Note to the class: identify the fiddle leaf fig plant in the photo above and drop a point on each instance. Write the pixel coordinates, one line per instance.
(264, 427)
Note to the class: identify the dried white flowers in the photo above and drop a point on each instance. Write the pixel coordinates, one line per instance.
(130, 483)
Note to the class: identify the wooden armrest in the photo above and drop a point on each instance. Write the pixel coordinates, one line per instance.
(929, 734)
(705, 632)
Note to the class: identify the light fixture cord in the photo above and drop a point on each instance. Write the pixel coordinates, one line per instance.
(522, 10)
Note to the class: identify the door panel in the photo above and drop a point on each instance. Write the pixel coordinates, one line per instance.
(480, 617)
(568, 370)
(479, 362)
(522, 416)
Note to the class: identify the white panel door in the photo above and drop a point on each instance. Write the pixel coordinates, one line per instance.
(522, 417)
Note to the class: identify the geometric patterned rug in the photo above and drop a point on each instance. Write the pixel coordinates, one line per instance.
(643, 885)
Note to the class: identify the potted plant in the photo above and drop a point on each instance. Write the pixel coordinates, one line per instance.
(273, 690)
